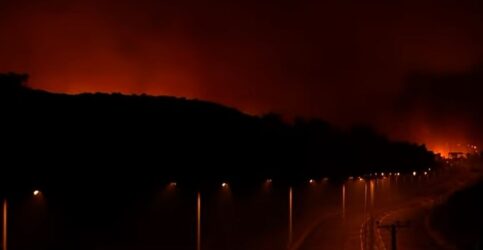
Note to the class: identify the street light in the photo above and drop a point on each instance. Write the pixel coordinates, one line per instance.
(5, 218)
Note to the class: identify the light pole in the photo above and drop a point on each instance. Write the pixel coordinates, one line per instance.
(4, 227)
(365, 198)
(225, 186)
(343, 201)
(290, 216)
(5, 218)
(198, 220)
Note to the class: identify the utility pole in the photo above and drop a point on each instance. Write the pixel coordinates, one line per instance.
(393, 230)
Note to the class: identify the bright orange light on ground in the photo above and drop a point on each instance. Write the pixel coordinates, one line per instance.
(36, 192)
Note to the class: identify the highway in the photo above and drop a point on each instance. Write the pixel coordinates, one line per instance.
(311, 215)
(364, 223)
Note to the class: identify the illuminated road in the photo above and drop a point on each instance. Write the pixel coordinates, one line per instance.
(325, 215)
(407, 199)
(416, 235)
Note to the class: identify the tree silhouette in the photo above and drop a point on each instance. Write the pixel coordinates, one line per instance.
(192, 139)
(11, 82)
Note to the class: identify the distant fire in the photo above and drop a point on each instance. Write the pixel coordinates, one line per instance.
(444, 150)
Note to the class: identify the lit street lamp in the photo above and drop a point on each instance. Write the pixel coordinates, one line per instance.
(5, 220)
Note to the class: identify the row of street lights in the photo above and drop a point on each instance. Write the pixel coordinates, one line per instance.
(224, 185)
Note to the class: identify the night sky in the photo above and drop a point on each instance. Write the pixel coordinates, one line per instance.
(412, 69)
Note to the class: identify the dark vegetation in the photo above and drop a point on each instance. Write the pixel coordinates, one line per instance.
(134, 137)
(460, 219)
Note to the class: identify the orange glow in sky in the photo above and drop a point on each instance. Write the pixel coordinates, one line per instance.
(346, 63)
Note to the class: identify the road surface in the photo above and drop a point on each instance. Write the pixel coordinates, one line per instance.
(404, 199)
